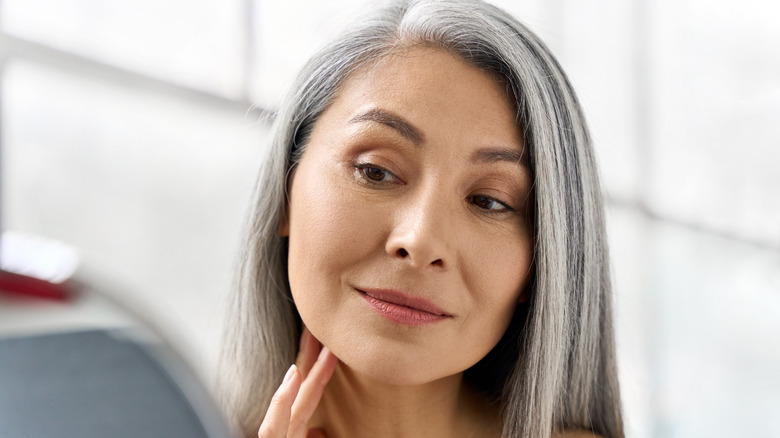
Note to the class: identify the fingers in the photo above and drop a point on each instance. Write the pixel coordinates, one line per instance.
(296, 400)
(311, 392)
(277, 418)
(308, 352)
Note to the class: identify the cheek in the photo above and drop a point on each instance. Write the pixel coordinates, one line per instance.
(326, 221)
(499, 274)
(329, 235)
(501, 265)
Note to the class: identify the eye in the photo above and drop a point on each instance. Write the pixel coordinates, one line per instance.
(374, 174)
(490, 204)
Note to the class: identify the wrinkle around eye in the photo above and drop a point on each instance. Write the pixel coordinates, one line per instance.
(508, 188)
(385, 158)
(479, 199)
(363, 172)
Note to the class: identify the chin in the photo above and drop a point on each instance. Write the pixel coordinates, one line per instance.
(400, 366)
(395, 374)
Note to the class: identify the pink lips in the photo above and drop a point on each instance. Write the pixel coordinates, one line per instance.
(402, 308)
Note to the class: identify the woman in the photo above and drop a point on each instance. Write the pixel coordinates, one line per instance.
(427, 243)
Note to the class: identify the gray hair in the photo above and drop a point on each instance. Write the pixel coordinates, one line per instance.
(554, 368)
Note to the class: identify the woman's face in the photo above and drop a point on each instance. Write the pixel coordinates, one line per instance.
(409, 240)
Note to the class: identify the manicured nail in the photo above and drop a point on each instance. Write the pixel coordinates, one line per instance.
(290, 373)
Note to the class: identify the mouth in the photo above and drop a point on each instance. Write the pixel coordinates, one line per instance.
(402, 308)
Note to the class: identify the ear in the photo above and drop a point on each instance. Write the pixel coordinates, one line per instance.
(283, 230)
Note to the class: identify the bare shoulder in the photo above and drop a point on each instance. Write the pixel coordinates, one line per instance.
(576, 434)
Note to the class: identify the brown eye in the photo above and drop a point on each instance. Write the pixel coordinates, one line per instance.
(375, 174)
(490, 204)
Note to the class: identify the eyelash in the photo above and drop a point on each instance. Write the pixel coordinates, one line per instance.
(504, 207)
(361, 170)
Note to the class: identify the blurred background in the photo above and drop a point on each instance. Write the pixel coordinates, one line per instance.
(132, 131)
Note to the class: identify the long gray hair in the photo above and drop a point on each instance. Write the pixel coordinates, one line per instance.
(554, 369)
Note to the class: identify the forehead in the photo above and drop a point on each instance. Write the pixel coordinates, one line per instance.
(435, 90)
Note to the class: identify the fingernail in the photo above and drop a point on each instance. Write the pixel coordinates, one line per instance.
(290, 373)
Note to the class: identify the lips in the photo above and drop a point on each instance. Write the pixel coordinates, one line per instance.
(403, 308)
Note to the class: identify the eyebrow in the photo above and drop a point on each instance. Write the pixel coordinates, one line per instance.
(491, 155)
(488, 155)
(387, 118)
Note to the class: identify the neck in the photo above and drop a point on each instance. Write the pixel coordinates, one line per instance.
(355, 406)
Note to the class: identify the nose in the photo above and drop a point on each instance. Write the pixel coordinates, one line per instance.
(421, 234)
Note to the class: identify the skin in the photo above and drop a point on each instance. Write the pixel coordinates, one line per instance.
(298, 396)
(413, 180)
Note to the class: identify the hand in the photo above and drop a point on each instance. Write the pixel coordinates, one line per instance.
(299, 394)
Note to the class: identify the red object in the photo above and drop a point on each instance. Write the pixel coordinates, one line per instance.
(23, 285)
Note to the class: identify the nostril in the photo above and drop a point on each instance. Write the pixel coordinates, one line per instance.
(402, 253)
(438, 262)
